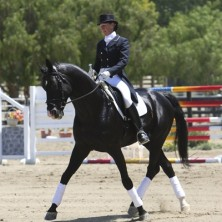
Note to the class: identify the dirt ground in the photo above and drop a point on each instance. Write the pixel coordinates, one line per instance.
(95, 193)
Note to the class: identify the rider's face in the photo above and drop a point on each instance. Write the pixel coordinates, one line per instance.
(107, 28)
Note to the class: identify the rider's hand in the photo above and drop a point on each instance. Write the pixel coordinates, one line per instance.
(105, 75)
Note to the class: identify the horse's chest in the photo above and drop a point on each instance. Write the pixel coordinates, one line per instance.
(99, 133)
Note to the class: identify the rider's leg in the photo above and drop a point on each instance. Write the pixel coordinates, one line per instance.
(115, 81)
(142, 137)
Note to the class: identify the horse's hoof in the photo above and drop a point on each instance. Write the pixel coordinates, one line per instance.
(133, 212)
(144, 217)
(185, 208)
(50, 215)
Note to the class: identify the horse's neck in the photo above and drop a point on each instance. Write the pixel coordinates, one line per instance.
(88, 99)
(89, 108)
(82, 86)
(80, 82)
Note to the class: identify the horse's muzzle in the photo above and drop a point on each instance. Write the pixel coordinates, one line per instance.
(55, 113)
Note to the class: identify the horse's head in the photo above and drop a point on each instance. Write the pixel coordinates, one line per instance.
(57, 89)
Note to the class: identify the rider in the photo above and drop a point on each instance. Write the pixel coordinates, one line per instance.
(111, 58)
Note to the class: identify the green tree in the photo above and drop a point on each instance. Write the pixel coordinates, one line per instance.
(140, 27)
(29, 34)
(67, 31)
(167, 9)
(17, 48)
(190, 52)
(64, 31)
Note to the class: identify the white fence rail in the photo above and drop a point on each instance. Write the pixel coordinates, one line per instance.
(36, 119)
(40, 121)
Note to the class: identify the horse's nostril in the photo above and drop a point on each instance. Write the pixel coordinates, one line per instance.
(54, 112)
(61, 115)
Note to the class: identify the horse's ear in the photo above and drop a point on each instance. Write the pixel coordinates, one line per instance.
(43, 70)
(49, 65)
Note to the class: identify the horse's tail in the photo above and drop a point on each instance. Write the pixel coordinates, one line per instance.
(181, 137)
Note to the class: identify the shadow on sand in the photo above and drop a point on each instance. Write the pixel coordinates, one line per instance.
(112, 218)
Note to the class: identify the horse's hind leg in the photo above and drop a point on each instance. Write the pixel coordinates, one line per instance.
(119, 159)
(77, 157)
(152, 170)
(175, 183)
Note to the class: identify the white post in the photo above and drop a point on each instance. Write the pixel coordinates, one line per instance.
(32, 124)
(30, 159)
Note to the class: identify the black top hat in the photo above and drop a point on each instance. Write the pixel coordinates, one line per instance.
(105, 18)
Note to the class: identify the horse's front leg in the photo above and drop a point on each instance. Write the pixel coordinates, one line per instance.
(79, 153)
(119, 159)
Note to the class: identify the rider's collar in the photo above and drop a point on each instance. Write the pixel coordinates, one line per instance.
(109, 37)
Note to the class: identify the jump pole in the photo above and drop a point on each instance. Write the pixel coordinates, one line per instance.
(187, 88)
(217, 159)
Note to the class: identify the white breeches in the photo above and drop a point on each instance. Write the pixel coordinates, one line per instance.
(116, 82)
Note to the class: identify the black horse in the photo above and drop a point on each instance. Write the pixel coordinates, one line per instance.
(98, 126)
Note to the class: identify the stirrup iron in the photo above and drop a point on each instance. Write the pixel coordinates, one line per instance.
(142, 137)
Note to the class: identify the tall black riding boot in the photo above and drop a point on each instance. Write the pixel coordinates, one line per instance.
(142, 137)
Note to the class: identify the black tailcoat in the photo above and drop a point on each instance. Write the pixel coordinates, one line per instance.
(114, 57)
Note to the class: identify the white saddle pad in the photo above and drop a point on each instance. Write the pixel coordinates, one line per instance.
(141, 106)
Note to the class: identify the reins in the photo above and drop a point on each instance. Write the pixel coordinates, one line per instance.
(59, 77)
(87, 94)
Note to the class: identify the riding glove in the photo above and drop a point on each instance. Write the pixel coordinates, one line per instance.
(105, 75)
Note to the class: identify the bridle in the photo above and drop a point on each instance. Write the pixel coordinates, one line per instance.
(62, 100)
(83, 96)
